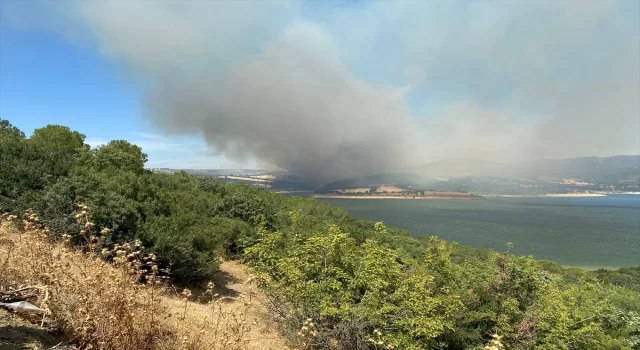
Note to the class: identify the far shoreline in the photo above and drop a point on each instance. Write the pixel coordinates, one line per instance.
(593, 267)
(560, 195)
(555, 195)
(474, 197)
(400, 197)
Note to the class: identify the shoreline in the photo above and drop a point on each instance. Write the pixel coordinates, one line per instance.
(474, 197)
(400, 197)
(591, 267)
(556, 195)
(293, 191)
(561, 195)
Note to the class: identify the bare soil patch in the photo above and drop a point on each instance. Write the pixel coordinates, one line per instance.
(240, 301)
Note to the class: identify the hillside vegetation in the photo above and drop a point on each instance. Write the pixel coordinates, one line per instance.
(332, 281)
(122, 304)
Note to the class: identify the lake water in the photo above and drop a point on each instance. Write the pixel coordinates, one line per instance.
(588, 232)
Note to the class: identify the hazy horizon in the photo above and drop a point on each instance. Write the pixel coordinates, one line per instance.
(239, 167)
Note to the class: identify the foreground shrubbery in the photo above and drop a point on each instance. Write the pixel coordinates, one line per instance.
(335, 282)
(372, 295)
(188, 222)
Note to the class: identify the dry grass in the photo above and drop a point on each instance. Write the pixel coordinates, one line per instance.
(240, 316)
(100, 305)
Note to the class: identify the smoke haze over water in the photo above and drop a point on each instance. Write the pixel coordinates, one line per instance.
(356, 88)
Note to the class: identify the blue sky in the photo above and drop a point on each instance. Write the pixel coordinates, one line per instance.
(46, 79)
(295, 84)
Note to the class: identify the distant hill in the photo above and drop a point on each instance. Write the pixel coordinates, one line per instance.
(612, 170)
(588, 174)
(599, 169)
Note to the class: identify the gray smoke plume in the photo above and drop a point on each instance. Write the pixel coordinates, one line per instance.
(331, 90)
(301, 112)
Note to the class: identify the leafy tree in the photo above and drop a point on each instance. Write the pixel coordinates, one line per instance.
(15, 168)
(119, 154)
(246, 206)
(56, 148)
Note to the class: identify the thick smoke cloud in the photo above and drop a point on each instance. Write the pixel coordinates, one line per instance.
(300, 111)
(330, 90)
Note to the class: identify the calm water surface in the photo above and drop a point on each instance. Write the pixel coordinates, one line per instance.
(589, 232)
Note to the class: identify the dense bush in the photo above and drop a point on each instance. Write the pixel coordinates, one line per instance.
(335, 282)
(366, 295)
(350, 289)
(626, 277)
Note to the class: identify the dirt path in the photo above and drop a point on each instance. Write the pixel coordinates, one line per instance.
(240, 311)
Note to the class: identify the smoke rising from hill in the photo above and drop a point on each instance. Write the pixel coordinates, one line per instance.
(341, 90)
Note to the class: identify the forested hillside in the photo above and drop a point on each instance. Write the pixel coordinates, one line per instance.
(334, 282)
